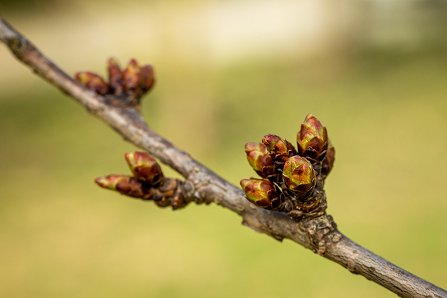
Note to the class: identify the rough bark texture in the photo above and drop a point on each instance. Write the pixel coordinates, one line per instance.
(319, 233)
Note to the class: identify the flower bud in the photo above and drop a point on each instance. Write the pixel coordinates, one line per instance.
(274, 143)
(261, 192)
(129, 186)
(279, 149)
(298, 175)
(147, 78)
(144, 167)
(115, 77)
(259, 159)
(131, 79)
(92, 81)
(312, 139)
(328, 161)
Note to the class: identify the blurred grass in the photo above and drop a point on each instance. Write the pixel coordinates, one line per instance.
(62, 236)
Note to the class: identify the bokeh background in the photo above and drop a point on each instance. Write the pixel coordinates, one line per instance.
(375, 73)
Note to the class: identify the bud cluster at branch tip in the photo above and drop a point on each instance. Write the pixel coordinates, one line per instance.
(147, 182)
(129, 84)
(290, 177)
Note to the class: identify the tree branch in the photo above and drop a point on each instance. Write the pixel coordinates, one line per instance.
(319, 234)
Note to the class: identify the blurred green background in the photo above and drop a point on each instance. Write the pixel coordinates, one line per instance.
(375, 73)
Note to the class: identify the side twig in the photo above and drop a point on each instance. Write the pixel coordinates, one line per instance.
(204, 186)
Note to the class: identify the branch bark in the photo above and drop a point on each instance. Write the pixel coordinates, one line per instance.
(202, 185)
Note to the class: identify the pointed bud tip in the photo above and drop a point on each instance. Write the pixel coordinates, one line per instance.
(133, 63)
(278, 146)
(139, 158)
(110, 181)
(101, 181)
(309, 116)
(313, 123)
(92, 81)
(271, 140)
(85, 76)
(112, 61)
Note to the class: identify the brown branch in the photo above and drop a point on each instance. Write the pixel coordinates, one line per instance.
(204, 186)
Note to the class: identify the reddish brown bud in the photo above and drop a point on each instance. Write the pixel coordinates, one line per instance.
(129, 186)
(131, 80)
(274, 142)
(328, 161)
(144, 167)
(147, 78)
(279, 149)
(259, 159)
(312, 139)
(115, 77)
(92, 81)
(298, 175)
(259, 191)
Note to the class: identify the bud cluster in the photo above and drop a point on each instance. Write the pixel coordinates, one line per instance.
(130, 83)
(146, 183)
(290, 178)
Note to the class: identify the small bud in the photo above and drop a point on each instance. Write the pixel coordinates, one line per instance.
(298, 175)
(259, 191)
(259, 159)
(274, 143)
(312, 139)
(279, 149)
(328, 161)
(147, 78)
(144, 167)
(129, 186)
(92, 81)
(115, 77)
(131, 80)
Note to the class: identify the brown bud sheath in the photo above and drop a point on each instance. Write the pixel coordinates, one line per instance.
(328, 161)
(144, 167)
(259, 159)
(92, 81)
(129, 186)
(115, 77)
(312, 139)
(147, 78)
(259, 191)
(298, 175)
(131, 79)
